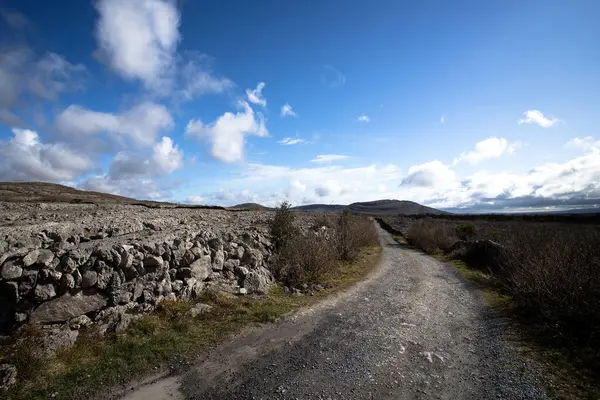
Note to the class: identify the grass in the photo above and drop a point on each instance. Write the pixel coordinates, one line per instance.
(168, 335)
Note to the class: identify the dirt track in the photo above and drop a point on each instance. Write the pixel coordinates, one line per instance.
(413, 330)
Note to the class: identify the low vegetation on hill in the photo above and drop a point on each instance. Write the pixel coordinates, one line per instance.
(549, 271)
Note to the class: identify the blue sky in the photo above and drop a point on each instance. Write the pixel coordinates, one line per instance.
(469, 104)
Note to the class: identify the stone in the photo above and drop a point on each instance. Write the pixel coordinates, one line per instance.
(153, 263)
(45, 257)
(218, 259)
(68, 265)
(256, 283)
(79, 322)
(253, 258)
(68, 306)
(104, 278)
(122, 298)
(199, 309)
(28, 281)
(214, 276)
(57, 338)
(11, 270)
(183, 273)
(31, 258)
(89, 279)
(137, 291)
(201, 268)
(231, 264)
(45, 292)
(241, 271)
(148, 297)
(50, 275)
(242, 291)
(8, 376)
(487, 255)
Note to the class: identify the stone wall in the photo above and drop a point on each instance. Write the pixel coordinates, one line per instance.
(69, 266)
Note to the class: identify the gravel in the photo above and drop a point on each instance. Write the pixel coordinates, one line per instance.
(414, 329)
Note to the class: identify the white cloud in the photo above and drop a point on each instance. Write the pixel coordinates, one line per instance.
(286, 111)
(432, 174)
(138, 39)
(363, 118)
(537, 117)
(141, 124)
(255, 95)
(25, 158)
(195, 200)
(22, 73)
(327, 158)
(165, 159)
(585, 143)
(288, 141)
(489, 148)
(134, 188)
(442, 120)
(227, 133)
(196, 78)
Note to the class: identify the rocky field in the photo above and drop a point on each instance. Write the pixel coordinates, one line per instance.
(65, 266)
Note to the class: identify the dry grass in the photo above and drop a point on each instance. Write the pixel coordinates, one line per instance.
(430, 236)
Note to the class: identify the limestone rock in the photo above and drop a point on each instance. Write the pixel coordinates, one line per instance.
(201, 268)
(45, 292)
(256, 283)
(68, 306)
(11, 270)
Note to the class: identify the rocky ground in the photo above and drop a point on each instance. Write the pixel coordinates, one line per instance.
(66, 266)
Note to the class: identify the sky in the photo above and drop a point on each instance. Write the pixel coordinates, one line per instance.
(464, 105)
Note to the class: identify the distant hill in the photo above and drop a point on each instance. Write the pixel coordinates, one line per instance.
(377, 207)
(52, 192)
(251, 207)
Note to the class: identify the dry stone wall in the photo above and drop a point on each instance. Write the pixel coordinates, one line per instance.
(69, 266)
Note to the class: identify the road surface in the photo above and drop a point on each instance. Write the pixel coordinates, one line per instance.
(413, 330)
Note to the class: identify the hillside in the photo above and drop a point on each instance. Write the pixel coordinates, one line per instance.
(377, 207)
(55, 193)
(250, 207)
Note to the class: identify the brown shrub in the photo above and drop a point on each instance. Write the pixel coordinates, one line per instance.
(430, 236)
(305, 259)
(556, 275)
(353, 232)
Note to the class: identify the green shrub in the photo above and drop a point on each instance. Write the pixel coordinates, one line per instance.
(466, 231)
(283, 228)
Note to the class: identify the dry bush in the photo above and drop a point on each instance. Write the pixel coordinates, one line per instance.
(466, 231)
(353, 232)
(305, 259)
(430, 236)
(556, 275)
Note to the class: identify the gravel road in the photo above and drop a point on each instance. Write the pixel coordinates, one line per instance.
(413, 330)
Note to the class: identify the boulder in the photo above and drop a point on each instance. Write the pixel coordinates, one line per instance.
(153, 263)
(11, 270)
(256, 283)
(68, 306)
(89, 279)
(487, 255)
(218, 259)
(201, 268)
(45, 292)
(231, 264)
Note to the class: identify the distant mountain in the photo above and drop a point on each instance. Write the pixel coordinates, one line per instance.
(377, 207)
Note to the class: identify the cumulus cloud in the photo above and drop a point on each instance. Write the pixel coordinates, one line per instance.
(537, 117)
(287, 111)
(226, 134)
(255, 95)
(138, 38)
(164, 159)
(288, 141)
(433, 174)
(140, 124)
(489, 148)
(327, 158)
(25, 158)
(134, 188)
(584, 143)
(363, 118)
